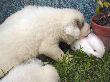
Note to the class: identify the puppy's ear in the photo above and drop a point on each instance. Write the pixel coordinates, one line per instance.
(72, 30)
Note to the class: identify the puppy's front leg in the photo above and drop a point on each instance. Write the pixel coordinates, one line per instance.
(51, 50)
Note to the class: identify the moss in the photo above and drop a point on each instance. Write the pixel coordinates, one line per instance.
(84, 68)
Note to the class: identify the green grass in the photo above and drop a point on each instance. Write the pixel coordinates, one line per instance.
(83, 68)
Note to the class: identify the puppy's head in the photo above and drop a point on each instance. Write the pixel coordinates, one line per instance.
(76, 26)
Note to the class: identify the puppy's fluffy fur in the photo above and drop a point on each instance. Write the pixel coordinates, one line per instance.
(33, 71)
(38, 30)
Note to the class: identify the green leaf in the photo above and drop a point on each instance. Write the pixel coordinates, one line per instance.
(107, 4)
(97, 9)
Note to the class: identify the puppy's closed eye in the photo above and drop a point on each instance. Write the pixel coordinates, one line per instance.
(80, 25)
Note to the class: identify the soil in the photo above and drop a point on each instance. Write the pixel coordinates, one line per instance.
(103, 20)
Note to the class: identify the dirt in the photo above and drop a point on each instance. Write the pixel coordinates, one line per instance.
(103, 20)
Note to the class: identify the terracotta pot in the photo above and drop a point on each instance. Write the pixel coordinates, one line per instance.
(103, 32)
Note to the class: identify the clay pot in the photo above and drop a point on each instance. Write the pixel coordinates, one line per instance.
(103, 32)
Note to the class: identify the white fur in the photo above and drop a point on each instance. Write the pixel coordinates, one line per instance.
(72, 31)
(91, 45)
(33, 71)
(33, 31)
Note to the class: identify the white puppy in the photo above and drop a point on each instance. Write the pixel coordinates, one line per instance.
(33, 31)
(33, 71)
